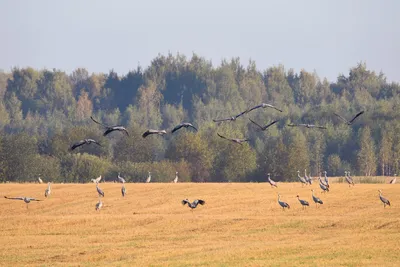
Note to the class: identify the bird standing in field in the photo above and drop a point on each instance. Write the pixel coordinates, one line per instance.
(99, 204)
(194, 204)
(148, 178)
(235, 140)
(348, 178)
(302, 180)
(185, 125)
(282, 203)
(263, 128)
(270, 181)
(40, 180)
(176, 178)
(323, 186)
(317, 200)
(84, 142)
(110, 129)
(123, 190)
(385, 201)
(303, 203)
(99, 191)
(352, 120)
(326, 182)
(27, 200)
(47, 192)
(151, 131)
(263, 105)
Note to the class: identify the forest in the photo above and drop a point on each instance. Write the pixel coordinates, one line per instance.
(43, 112)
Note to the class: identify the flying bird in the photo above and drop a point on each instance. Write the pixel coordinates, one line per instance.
(97, 180)
(151, 131)
(27, 200)
(263, 128)
(84, 142)
(235, 140)
(263, 105)
(185, 125)
(110, 129)
(307, 126)
(194, 204)
(233, 118)
(385, 201)
(352, 120)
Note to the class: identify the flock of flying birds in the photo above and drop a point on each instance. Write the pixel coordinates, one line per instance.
(109, 129)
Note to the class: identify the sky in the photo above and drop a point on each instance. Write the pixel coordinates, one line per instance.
(325, 36)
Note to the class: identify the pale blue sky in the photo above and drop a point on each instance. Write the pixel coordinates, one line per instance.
(326, 36)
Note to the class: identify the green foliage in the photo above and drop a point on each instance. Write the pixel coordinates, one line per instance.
(43, 112)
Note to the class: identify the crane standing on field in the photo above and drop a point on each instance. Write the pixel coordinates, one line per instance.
(270, 181)
(47, 192)
(385, 201)
(282, 203)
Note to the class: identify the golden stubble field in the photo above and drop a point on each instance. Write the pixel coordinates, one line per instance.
(240, 225)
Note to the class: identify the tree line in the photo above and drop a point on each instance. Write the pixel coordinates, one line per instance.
(42, 112)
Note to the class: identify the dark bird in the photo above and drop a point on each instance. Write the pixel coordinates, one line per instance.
(385, 201)
(99, 204)
(263, 105)
(27, 200)
(352, 120)
(303, 203)
(194, 204)
(151, 131)
(307, 126)
(110, 129)
(235, 140)
(282, 203)
(233, 118)
(185, 124)
(317, 200)
(84, 142)
(263, 128)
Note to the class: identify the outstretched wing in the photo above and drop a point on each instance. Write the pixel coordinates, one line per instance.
(146, 133)
(268, 125)
(293, 125)
(14, 198)
(78, 144)
(177, 128)
(223, 136)
(184, 202)
(262, 128)
(320, 127)
(33, 199)
(98, 122)
(94, 141)
(201, 202)
(191, 125)
(356, 116)
(240, 114)
(343, 119)
(253, 108)
(219, 120)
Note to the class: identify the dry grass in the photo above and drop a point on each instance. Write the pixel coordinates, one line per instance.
(240, 225)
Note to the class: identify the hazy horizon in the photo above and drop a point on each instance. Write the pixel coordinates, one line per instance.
(328, 37)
